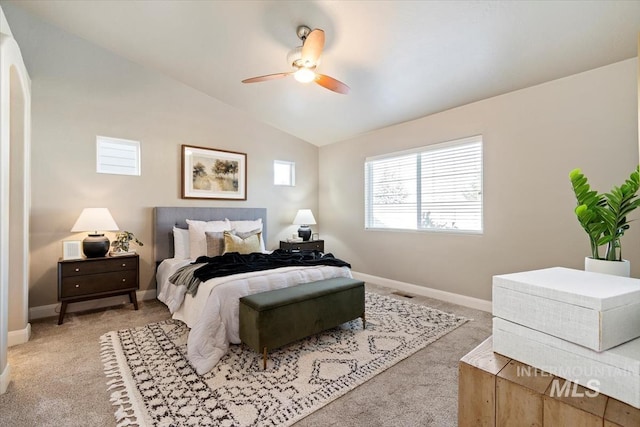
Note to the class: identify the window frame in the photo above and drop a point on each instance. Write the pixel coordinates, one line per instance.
(292, 172)
(127, 150)
(368, 190)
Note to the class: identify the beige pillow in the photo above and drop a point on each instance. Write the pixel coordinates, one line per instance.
(248, 226)
(244, 243)
(197, 238)
(215, 243)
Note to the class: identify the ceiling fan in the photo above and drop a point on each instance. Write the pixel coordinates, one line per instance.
(304, 59)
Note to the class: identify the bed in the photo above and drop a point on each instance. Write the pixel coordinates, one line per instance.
(212, 313)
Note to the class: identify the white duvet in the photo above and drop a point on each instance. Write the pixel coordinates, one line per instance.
(212, 314)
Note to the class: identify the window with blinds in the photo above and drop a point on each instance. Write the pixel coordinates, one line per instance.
(117, 156)
(437, 187)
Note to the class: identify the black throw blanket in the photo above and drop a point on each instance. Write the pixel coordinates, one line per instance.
(233, 262)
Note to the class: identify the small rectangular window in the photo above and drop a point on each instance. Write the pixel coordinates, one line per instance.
(437, 187)
(284, 173)
(117, 156)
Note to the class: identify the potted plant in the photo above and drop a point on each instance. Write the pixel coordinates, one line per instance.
(604, 218)
(122, 242)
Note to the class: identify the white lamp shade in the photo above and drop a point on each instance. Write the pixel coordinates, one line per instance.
(304, 217)
(95, 219)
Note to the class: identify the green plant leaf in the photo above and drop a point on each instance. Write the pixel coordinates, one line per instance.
(604, 217)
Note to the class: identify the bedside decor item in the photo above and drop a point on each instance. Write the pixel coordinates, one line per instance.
(71, 249)
(213, 174)
(95, 219)
(123, 241)
(604, 218)
(304, 218)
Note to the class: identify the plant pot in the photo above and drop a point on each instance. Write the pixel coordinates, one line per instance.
(617, 268)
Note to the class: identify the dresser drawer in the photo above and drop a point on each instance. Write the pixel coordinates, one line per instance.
(312, 245)
(94, 284)
(80, 268)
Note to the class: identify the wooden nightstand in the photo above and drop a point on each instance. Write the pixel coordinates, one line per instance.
(309, 245)
(90, 278)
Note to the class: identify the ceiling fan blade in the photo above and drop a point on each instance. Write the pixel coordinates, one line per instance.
(312, 47)
(332, 84)
(267, 77)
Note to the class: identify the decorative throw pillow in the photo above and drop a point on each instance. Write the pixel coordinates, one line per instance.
(245, 226)
(197, 238)
(180, 243)
(244, 243)
(215, 243)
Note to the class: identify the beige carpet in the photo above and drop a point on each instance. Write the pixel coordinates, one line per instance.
(153, 383)
(58, 378)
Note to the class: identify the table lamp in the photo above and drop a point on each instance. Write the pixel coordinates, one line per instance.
(304, 218)
(93, 220)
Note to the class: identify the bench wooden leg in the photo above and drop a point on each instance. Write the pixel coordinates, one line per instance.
(264, 359)
(364, 321)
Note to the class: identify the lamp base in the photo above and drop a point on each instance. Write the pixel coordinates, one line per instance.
(305, 232)
(95, 246)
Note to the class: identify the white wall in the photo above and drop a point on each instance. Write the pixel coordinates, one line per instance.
(15, 125)
(80, 91)
(532, 139)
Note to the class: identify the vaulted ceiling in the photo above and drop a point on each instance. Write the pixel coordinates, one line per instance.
(402, 59)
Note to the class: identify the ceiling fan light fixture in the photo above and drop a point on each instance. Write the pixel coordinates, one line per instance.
(304, 75)
(304, 60)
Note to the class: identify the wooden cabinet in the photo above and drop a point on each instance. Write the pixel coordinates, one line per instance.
(496, 391)
(309, 245)
(90, 278)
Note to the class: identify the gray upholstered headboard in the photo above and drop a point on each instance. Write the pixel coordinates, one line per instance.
(165, 218)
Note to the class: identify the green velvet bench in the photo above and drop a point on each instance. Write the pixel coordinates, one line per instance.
(275, 318)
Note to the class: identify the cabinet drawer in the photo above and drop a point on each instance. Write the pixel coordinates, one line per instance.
(307, 246)
(80, 268)
(93, 284)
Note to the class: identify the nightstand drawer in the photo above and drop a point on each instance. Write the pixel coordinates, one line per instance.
(93, 284)
(81, 268)
(309, 245)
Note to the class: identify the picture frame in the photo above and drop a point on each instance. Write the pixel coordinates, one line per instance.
(209, 173)
(72, 249)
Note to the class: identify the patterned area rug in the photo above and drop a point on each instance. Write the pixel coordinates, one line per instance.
(153, 384)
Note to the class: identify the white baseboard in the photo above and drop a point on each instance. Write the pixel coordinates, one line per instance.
(53, 310)
(5, 379)
(20, 336)
(478, 304)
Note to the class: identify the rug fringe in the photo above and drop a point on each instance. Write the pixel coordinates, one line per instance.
(125, 415)
(124, 419)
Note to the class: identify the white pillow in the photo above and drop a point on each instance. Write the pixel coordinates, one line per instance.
(246, 226)
(180, 243)
(197, 238)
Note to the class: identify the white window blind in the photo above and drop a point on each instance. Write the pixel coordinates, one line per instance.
(117, 156)
(437, 187)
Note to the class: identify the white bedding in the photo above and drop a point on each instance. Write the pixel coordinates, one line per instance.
(212, 314)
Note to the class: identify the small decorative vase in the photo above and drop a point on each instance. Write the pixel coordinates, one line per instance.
(617, 268)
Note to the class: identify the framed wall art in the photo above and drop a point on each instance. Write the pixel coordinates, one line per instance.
(209, 173)
(71, 249)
